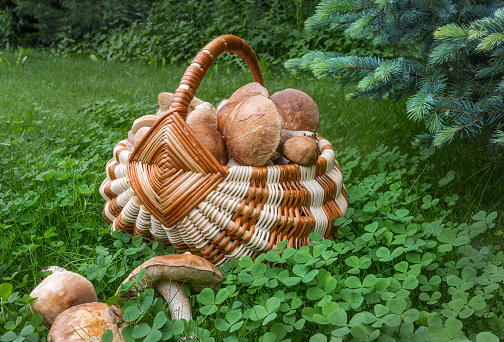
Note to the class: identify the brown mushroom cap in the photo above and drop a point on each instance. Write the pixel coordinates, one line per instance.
(298, 110)
(213, 140)
(195, 102)
(87, 322)
(223, 113)
(202, 115)
(252, 131)
(144, 121)
(60, 291)
(139, 135)
(248, 90)
(165, 100)
(184, 268)
(301, 150)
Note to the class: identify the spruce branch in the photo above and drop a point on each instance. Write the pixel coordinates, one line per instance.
(498, 138)
(456, 88)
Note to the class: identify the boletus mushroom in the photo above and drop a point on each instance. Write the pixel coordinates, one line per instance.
(213, 140)
(59, 291)
(252, 131)
(167, 274)
(87, 322)
(143, 121)
(242, 93)
(202, 114)
(138, 136)
(298, 110)
(248, 90)
(302, 150)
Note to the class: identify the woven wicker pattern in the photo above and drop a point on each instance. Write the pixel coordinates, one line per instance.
(171, 189)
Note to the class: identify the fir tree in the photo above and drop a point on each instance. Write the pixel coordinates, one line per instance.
(456, 88)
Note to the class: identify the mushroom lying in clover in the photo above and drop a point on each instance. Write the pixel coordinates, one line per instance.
(59, 291)
(87, 322)
(167, 273)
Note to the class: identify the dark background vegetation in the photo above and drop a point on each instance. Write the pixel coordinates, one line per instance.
(161, 32)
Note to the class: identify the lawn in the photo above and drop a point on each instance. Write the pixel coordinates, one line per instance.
(419, 255)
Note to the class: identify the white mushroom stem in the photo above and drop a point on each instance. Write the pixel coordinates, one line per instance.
(174, 295)
(287, 134)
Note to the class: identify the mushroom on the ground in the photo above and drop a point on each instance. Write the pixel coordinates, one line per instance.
(302, 150)
(60, 291)
(213, 140)
(87, 322)
(167, 274)
(298, 110)
(252, 131)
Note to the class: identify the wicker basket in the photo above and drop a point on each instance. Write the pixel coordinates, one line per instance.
(171, 189)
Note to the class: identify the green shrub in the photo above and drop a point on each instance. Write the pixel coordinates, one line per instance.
(6, 29)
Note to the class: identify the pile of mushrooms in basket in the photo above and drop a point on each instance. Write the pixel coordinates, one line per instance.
(251, 128)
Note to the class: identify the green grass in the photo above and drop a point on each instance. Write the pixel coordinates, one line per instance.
(61, 118)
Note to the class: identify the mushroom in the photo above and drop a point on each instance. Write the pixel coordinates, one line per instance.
(87, 322)
(302, 150)
(202, 115)
(248, 90)
(252, 131)
(213, 140)
(144, 121)
(167, 273)
(223, 113)
(222, 103)
(60, 291)
(164, 100)
(207, 105)
(139, 135)
(195, 102)
(298, 110)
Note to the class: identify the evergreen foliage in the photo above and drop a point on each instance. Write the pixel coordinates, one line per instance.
(455, 88)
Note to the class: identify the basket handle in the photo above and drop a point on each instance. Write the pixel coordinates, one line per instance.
(201, 63)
